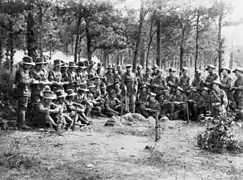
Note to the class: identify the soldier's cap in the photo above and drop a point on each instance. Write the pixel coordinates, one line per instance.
(152, 94)
(70, 92)
(64, 65)
(47, 94)
(225, 68)
(238, 69)
(128, 66)
(144, 86)
(155, 66)
(47, 88)
(40, 60)
(210, 66)
(139, 67)
(110, 66)
(171, 69)
(57, 62)
(72, 65)
(61, 93)
(83, 88)
(185, 69)
(217, 82)
(180, 89)
(28, 60)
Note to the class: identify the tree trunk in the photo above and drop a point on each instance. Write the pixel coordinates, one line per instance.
(11, 44)
(31, 36)
(88, 39)
(77, 39)
(220, 41)
(197, 40)
(142, 54)
(158, 41)
(140, 28)
(182, 48)
(41, 31)
(149, 43)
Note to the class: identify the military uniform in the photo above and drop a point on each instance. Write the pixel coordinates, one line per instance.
(55, 76)
(23, 90)
(226, 83)
(179, 105)
(153, 106)
(198, 83)
(142, 102)
(72, 76)
(184, 82)
(112, 106)
(130, 82)
(172, 82)
(158, 84)
(165, 101)
(238, 91)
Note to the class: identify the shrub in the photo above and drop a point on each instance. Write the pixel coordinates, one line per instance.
(220, 137)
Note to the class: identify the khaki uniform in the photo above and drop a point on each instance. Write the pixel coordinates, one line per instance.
(210, 78)
(198, 83)
(112, 106)
(172, 82)
(184, 82)
(158, 84)
(179, 109)
(238, 94)
(72, 80)
(23, 93)
(130, 82)
(55, 76)
(226, 83)
(141, 103)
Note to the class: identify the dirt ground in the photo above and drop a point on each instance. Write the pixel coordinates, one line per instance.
(114, 153)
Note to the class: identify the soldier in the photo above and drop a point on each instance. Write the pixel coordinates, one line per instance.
(109, 78)
(211, 76)
(38, 74)
(64, 71)
(139, 75)
(82, 73)
(117, 76)
(55, 76)
(23, 91)
(99, 71)
(118, 90)
(147, 78)
(198, 82)
(158, 83)
(76, 109)
(112, 104)
(172, 80)
(153, 106)
(142, 100)
(155, 70)
(120, 71)
(179, 105)
(47, 110)
(184, 81)
(165, 101)
(72, 76)
(218, 98)
(238, 89)
(226, 81)
(129, 81)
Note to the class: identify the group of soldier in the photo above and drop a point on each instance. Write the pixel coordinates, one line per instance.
(71, 94)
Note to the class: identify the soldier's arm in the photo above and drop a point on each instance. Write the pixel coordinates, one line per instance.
(224, 98)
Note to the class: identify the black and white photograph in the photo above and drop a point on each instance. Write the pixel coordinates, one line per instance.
(121, 89)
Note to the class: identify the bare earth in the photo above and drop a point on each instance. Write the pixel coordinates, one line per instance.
(114, 153)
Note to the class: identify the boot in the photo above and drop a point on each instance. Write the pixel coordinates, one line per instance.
(21, 121)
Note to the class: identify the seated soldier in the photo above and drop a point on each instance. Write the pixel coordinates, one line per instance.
(142, 100)
(165, 101)
(68, 121)
(158, 83)
(118, 91)
(112, 105)
(76, 110)
(196, 104)
(153, 106)
(179, 105)
(46, 110)
(218, 98)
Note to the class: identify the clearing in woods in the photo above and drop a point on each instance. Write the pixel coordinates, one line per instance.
(113, 153)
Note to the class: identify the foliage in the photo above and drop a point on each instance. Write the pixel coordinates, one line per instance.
(220, 137)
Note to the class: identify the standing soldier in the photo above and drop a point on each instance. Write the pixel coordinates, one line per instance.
(226, 81)
(129, 81)
(23, 91)
(72, 76)
(238, 89)
(109, 78)
(139, 75)
(55, 76)
(64, 71)
(38, 74)
(184, 81)
(198, 82)
(120, 71)
(212, 76)
(172, 80)
(158, 84)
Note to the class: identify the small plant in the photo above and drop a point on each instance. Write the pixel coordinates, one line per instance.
(220, 137)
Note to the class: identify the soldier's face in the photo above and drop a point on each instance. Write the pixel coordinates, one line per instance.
(237, 73)
(129, 70)
(171, 73)
(58, 68)
(178, 92)
(210, 70)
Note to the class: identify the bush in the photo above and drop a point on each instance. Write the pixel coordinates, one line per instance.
(220, 137)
